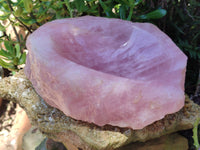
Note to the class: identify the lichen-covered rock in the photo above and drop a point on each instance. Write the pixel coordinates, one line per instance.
(107, 71)
(59, 127)
(167, 142)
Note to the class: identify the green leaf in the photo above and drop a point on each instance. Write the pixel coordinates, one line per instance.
(122, 12)
(28, 21)
(19, 11)
(179, 29)
(28, 5)
(195, 133)
(18, 51)
(42, 145)
(137, 2)
(117, 8)
(15, 61)
(7, 45)
(5, 54)
(2, 28)
(4, 17)
(13, 73)
(90, 0)
(156, 14)
(21, 37)
(107, 10)
(67, 3)
(22, 59)
(9, 48)
(4, 7)
(123, 2)
(43, 8)
(9, 66)
(80, 5)
(18, 3)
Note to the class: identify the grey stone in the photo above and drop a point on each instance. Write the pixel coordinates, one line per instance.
(32, 139)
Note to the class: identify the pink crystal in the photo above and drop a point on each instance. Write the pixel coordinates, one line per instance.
(107, 71)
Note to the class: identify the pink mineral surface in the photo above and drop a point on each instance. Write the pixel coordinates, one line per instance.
(107, 71)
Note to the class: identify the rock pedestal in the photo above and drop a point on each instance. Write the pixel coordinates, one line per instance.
(167, 142)
(54, 124)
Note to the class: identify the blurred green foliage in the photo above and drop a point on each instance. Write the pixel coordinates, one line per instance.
(180, 19)
(12, 56)
(182, 24)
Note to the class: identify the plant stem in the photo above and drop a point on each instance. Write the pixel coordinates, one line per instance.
(195, 133)
(9, 4)
(69, 8)
(132, 5)
(64, 6)
(16, 34)
(4, 34)
(31, 14)
(130, 13)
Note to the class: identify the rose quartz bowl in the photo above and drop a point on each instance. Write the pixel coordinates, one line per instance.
(107, 71)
